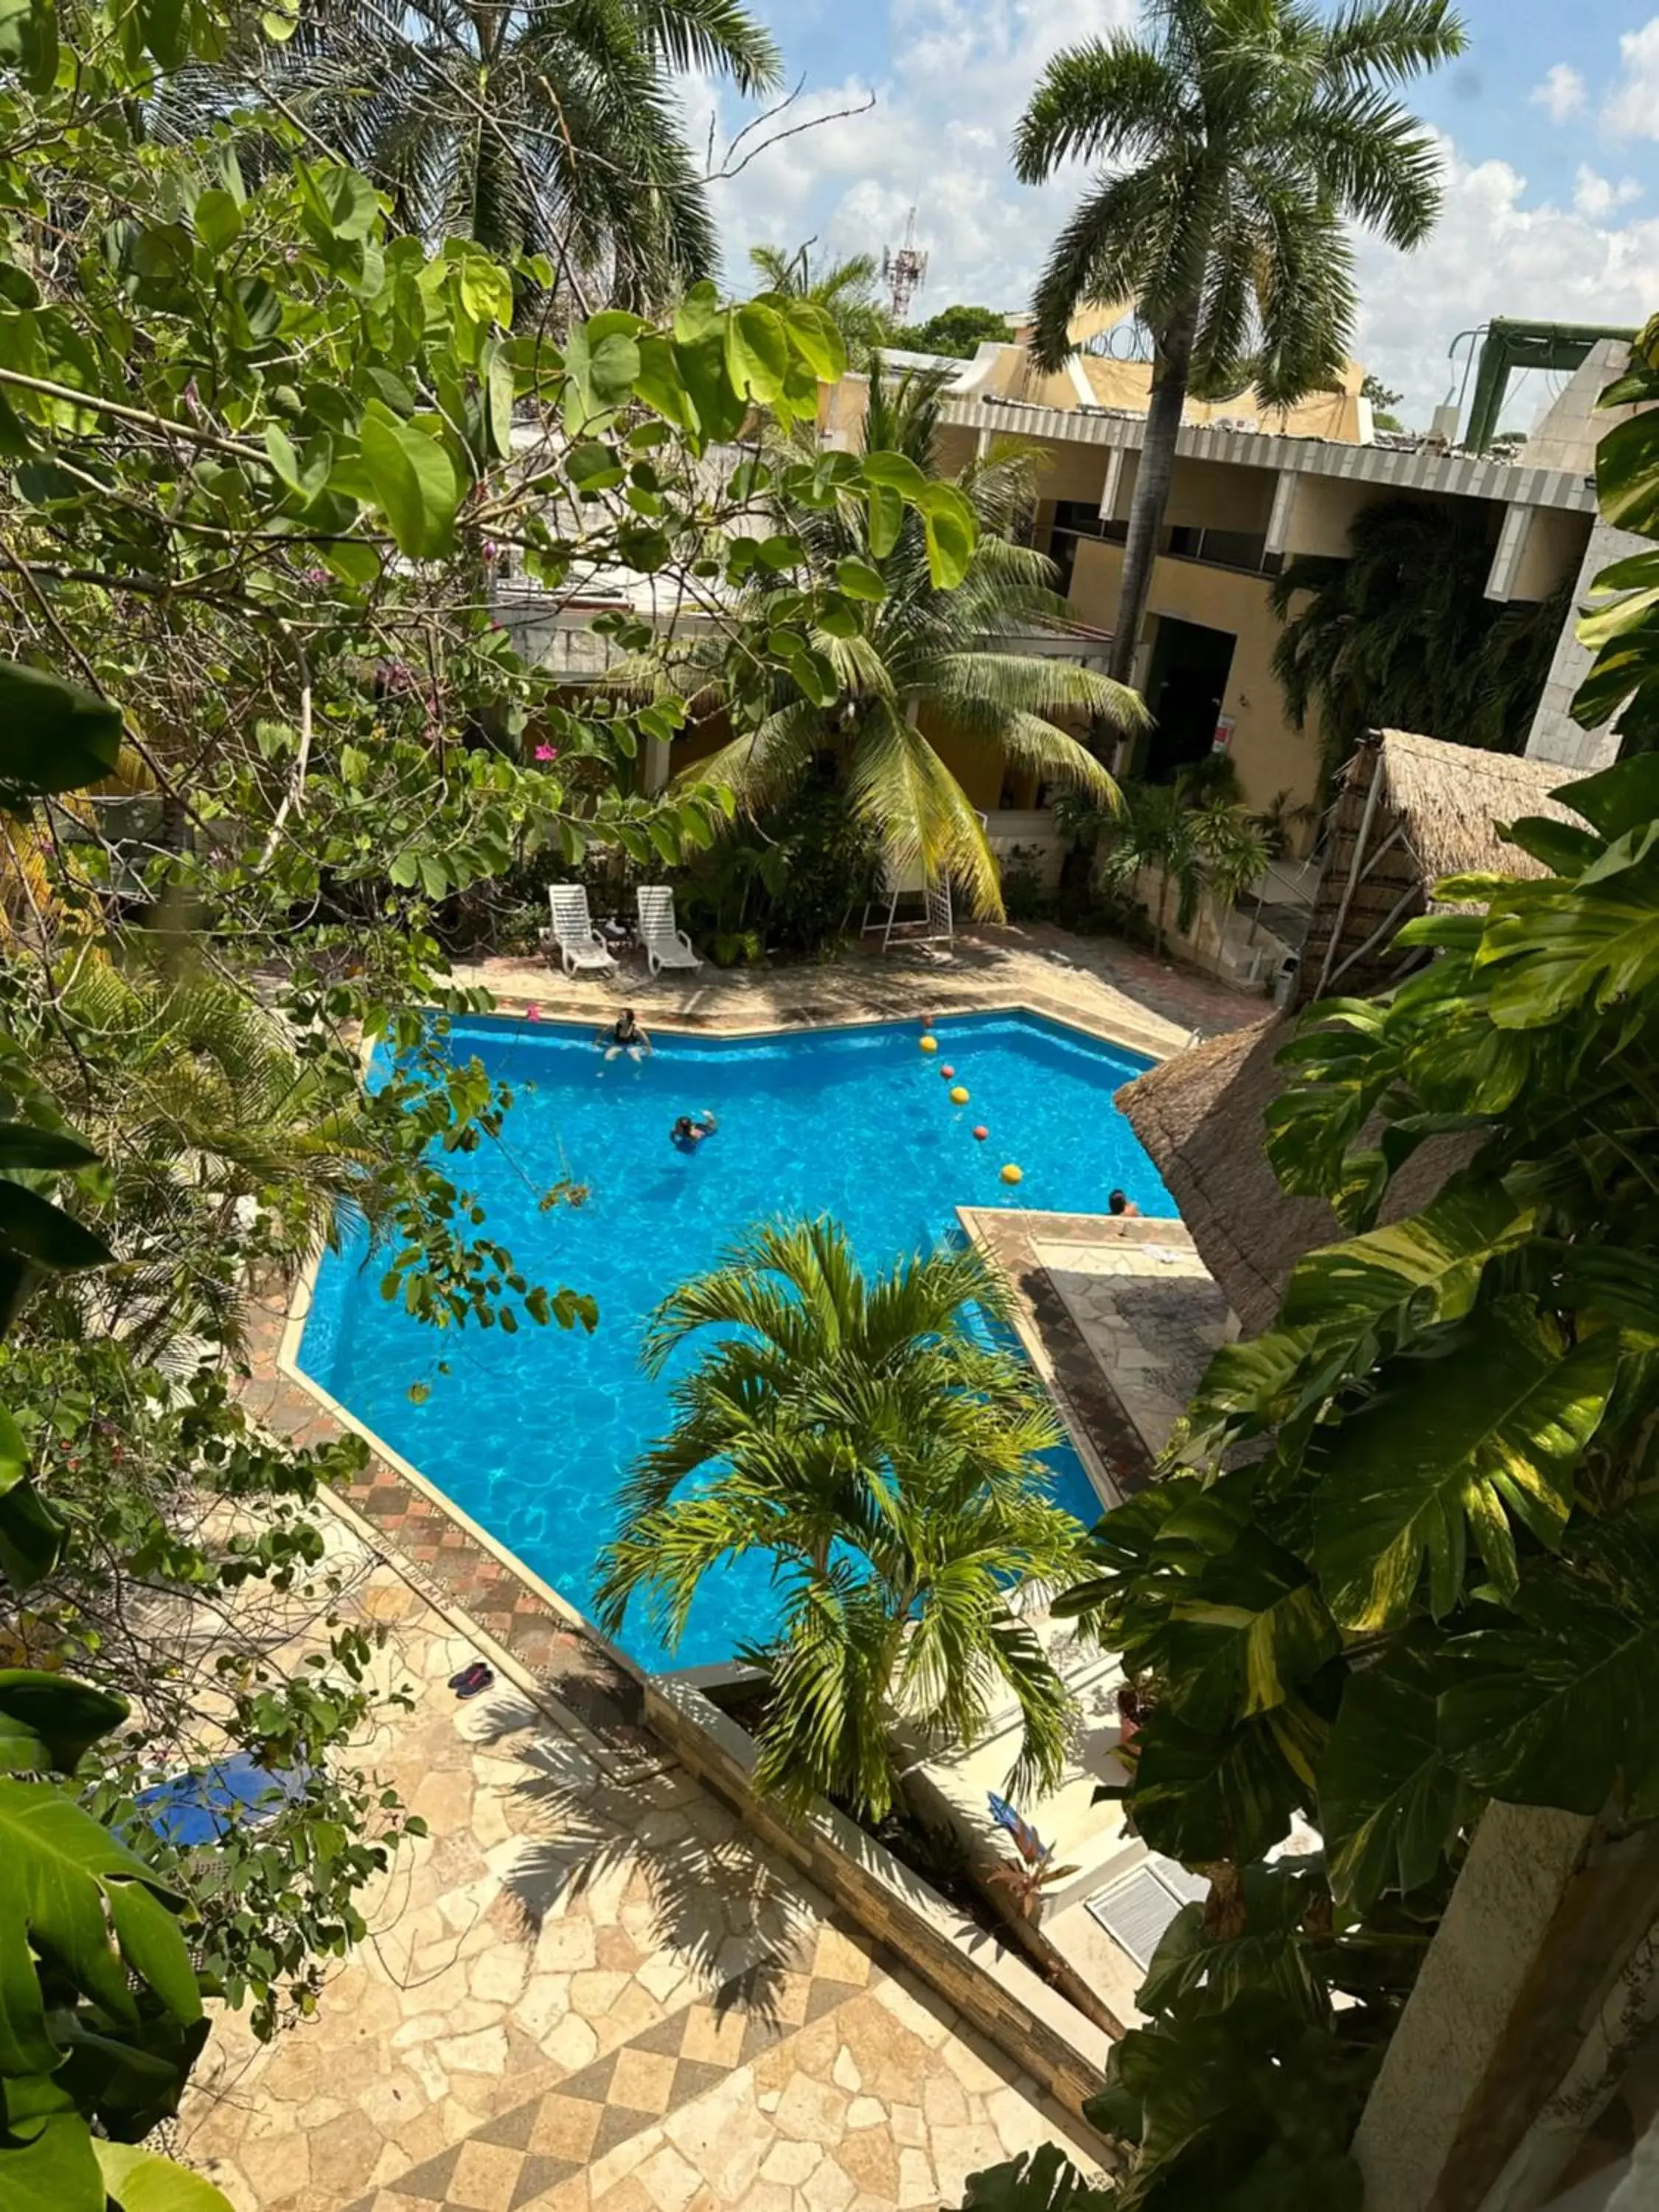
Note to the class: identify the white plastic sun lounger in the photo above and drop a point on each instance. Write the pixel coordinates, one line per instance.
(667, 945)
(580, 946)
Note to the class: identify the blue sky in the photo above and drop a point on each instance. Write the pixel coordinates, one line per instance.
(1549, 130)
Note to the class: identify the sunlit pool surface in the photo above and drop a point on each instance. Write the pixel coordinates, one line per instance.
(531, 1434)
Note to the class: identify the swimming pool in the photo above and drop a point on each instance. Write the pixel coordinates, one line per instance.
(530, 1434)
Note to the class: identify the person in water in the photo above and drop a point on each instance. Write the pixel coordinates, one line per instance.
(1121, 1202)
(689, 1131)
(624, 1034)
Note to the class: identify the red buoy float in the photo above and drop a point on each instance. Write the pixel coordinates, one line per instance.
(981, 1133)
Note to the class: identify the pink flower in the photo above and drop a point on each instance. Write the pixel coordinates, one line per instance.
(547, 752)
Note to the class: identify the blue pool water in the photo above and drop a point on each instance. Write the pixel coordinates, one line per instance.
(529, 1434)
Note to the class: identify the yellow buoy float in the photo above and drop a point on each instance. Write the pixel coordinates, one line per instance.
(1012, 1174)
(959, 1096)
(929, 1044)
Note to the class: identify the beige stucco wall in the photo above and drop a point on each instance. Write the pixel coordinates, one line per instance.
(1270, 756)
(1554, 546)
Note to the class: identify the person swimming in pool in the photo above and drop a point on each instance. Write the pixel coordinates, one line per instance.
(689, 1131)
(624, 1034)
(1121, 1203)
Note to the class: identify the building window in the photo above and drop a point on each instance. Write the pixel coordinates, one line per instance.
(1221, 549)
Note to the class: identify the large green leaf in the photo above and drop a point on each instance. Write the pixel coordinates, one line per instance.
(24, 1146)
(756, 352)
(601, 360)
(47, 1721)
(1563, 1708)
(138, 2180)
(33, 1227)
(1252, 2107)
(1627, 475)
(951, 529)
(1391, 1805)
(70, 1886)
(47, 2159)
(53, 736)
(1424, 1269)
(31, 1534)
(413, 482)
(1486, 1423)
(1574, 949)
(1257, 1941)
(1201, 1794)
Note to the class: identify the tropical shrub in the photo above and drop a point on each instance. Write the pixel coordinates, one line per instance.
(796, 883)
(1399, 633)
(864, 1435)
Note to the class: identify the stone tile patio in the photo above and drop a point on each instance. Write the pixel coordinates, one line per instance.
(1150, 1315)
(588, 1991)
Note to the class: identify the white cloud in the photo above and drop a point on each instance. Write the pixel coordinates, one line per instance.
(1633, 107)
(938, 140)
(1595, 196)
(1562, 92)
(1493, 254)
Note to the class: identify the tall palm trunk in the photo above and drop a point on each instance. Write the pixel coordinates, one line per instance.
(1151, 494)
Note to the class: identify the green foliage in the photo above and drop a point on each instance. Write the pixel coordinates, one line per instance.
(1400, 634)
(1195, 844)
(865, 1437)
(845, 291)
(795, 885)
(1621, 627)
(958, 331)
(897, 659)
(261, 732)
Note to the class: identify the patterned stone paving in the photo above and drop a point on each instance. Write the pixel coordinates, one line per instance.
(588, 1989)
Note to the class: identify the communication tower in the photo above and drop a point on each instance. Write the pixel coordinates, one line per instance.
(904, 270)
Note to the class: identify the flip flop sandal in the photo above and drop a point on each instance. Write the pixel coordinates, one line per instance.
(473, 1674)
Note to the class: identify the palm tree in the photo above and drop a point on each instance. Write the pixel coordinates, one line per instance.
(1158, 828)
(868, 1437)
(1401, 634)
(845, 290)
(1235, 149)
(547, 129)
(220, 1122)
(918, 664)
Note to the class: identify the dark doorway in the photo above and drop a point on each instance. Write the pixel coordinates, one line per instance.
(1185, 686)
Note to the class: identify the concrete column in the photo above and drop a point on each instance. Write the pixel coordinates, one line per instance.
(1555, 735)
(1114, 478)
(1283, 509)
(982, 446)
(655, 765)
(1506, 555)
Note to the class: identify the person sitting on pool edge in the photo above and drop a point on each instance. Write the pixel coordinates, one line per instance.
(624, 1034)
(689, 1131)
(1119, 1202)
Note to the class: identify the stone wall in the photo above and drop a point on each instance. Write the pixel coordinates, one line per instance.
(1555, 735)
(994, 1990)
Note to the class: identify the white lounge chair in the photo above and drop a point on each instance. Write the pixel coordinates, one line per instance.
(666, 944)
(580, 946)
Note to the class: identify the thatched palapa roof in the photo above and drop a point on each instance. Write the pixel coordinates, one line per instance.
(1201, 1115)
(1410, 809)
(1451, 799)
